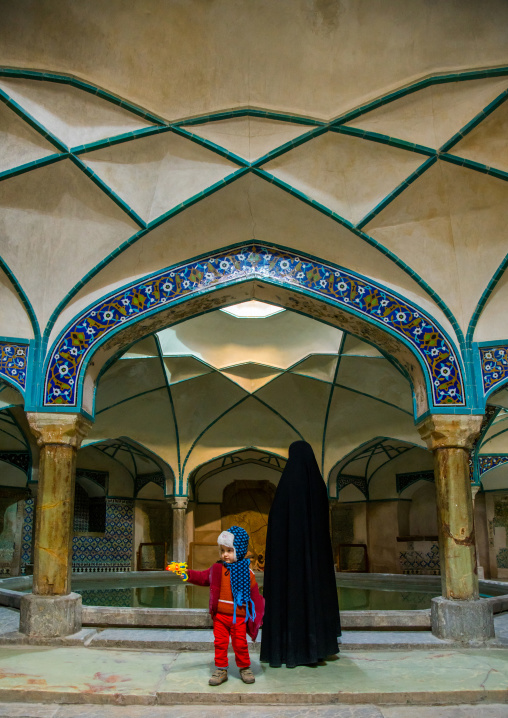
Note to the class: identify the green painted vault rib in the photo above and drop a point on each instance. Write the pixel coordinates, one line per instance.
(317, 128)
(23, 298)
(83, 336)
(337, 125)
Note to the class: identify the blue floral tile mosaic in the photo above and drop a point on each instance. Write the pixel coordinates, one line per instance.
(485, 463)
(343, 288)
(494, 366)
(13, 363)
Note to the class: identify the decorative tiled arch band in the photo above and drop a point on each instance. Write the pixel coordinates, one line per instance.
(236, 265)
(13, 364)
(486, 463)
(494, 366)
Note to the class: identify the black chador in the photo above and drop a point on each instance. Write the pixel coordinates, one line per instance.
(301, 622)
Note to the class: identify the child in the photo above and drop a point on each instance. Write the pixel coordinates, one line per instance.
(236, 605)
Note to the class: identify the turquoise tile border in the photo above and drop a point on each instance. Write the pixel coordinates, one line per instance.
(75, 346)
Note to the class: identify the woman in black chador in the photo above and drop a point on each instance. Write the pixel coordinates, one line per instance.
(301, 622)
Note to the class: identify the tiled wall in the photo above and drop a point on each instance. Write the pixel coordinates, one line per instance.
(111, 552)
(419, 557)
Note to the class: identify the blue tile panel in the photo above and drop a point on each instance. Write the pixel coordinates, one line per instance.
(114, 550)
(494, 366)
(420, 562)
(337, 286)
(13, 363)
(111, 552)
(485, 463)
(26, 534)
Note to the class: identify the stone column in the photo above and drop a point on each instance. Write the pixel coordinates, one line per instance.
(479, 567)
(52, 610)
(179, 507)
(458, 614)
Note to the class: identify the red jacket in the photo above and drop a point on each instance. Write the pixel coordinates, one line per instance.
(212, 577)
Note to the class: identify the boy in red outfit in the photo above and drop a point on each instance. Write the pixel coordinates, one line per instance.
(236, 605)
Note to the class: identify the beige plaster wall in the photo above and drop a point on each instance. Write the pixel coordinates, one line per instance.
(309, 45)
(423, 511)
(382, 531)
(152, 523)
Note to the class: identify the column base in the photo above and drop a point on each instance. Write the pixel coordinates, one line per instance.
(463, 621)
(50, 616)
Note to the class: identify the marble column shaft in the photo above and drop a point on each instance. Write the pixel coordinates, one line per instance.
(450, 438)
(59, 437)
(179, 507)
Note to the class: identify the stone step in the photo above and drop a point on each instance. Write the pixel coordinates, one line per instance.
(202, 640)
(74, 674)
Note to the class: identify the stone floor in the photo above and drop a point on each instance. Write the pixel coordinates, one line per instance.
(133, 669)
(38, 710)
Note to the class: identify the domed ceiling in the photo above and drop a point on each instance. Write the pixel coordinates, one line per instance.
(123, 157)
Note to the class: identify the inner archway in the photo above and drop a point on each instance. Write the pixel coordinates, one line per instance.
(303, 284)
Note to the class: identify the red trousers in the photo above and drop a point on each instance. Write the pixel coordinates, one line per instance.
(223, 626)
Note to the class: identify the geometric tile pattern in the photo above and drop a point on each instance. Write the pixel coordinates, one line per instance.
(494, 366)
(411, 477)
(113, 551)
(141, 480)
(359, 481)
(26, 534)
(485, 463)
(13, 363)
(254, 262)
(98, 477)
(420, 562)
(18, 458)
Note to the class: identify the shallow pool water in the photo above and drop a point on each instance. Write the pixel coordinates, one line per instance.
(181, 596)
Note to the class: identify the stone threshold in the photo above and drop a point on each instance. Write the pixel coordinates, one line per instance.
(175, 698)
(185, 640)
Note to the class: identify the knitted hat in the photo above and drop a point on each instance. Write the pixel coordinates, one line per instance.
(226, 538)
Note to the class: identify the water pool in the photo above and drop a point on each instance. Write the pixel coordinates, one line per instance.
(351, 598)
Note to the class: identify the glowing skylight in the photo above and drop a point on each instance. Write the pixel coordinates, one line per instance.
(253, 310)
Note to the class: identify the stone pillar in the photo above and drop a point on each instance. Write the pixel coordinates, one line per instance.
(479, 568)
(52, 610)
(458, 614)
(179, 506)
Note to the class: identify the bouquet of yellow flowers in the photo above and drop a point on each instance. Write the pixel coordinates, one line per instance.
(181, 569)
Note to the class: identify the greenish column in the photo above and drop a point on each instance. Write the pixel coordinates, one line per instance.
(59, 437)
(450, 438)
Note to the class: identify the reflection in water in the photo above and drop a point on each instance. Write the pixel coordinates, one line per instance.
(186, 596)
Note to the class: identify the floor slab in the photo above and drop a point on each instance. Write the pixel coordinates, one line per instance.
(94, 675)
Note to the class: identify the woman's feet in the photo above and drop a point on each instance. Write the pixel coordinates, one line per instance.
(220, 675)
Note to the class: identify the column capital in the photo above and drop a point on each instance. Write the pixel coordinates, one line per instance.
(474, 490)
(56, 428)
(178, 502)
(450, 431)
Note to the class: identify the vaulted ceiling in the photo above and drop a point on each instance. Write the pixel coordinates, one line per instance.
(373, 139)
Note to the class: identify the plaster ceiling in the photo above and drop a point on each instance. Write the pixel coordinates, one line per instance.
(137, 149)
(216, 384)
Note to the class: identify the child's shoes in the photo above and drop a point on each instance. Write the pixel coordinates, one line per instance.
(220, 675)
(247, 675)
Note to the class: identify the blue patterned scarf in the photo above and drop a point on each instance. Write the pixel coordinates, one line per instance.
(239, 572)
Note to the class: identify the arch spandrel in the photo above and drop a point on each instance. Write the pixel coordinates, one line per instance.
(14, 364)
(296, 282)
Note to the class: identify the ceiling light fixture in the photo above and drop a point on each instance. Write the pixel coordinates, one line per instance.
(253, 310)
